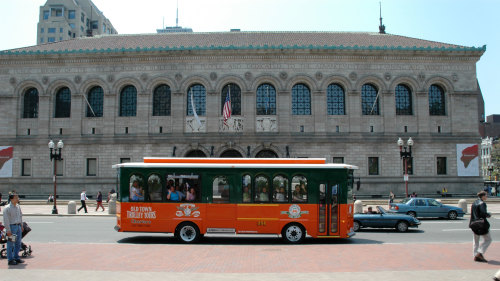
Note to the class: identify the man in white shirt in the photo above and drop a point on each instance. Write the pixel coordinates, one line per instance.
(83, 197)
(13, 221)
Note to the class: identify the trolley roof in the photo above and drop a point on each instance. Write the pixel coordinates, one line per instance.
(309, 163)
(235, 160)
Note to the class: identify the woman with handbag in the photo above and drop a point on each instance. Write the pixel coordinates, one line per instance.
(480, 226)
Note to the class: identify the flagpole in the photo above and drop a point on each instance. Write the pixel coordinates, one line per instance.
(374, 102)
(194, 109)
(267, 101)
(86, 100)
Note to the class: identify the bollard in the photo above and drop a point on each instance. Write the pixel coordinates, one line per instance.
(71, 208)
(358, 207)
(112, 204)
(463, 205)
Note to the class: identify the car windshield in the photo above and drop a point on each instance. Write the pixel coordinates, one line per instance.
(404, 201)
(381, 210)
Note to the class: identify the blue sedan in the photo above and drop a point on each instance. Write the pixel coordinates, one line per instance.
(426, 207)
(383, 219)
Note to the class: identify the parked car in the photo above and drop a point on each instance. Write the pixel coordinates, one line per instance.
(383, 219)
(426, 207)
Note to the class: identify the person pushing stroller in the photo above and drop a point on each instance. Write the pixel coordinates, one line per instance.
(13, 223)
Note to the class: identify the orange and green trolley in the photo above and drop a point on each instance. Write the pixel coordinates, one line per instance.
(287, 197)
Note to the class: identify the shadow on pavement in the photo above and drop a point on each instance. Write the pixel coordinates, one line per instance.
(389, 230)
(442, 219)
(213, 240)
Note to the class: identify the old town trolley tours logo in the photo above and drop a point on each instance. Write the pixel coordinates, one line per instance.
(294, 212)
(187, 210)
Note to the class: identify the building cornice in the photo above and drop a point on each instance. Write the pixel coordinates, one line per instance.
(479, 50)
(182, 57)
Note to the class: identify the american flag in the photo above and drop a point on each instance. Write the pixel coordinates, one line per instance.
(226, 112)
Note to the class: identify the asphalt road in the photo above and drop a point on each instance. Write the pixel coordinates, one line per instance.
(69, 229)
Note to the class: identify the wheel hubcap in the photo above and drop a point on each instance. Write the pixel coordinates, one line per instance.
(293, 233)
(187, 233)
(402, 227)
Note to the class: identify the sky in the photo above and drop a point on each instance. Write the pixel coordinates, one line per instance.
(463, 22)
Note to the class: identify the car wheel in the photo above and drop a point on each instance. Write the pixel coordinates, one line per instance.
(452, 215)
(402, 226)
(188, 232)
(293, 233)
(411, 213)
(356, 226)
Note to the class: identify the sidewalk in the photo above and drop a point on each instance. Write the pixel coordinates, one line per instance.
(331, 260)
(39, 208)
(36, 208)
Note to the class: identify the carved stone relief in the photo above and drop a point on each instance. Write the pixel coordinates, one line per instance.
(248, 75)
(353, 76)
(283, 75)
(178, 76)
(193, 126)
(319, 75)
(213, 76)
(266, 124)
(233, 124)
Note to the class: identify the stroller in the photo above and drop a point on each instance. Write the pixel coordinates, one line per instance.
(25, 249)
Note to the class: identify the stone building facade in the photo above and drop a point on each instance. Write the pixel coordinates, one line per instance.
(347, 97)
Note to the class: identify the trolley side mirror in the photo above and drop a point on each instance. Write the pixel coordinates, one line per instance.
(358, 184)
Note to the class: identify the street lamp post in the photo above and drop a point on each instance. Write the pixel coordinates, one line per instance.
(55, 155)
(405, 154)
(490, 171)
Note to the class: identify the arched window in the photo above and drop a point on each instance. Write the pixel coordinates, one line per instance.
(96, 99)
(403, 100)
(261, 189)
(30, 103)
(301, 100)
(128, 101)
(136, 188)
(299, 189)
(221, 188)
(155, 188)
(63, 103)
(196, 153)
(266, 100)
(161, 101)
(231, 153)
(247, 188)
(280, 189)
(196, 95)
(235, 98)
(266, 153)
(436, 100)
(369, 100)
(335, 100)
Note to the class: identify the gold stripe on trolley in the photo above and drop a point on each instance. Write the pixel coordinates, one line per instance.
(258, 205)
(257, 219)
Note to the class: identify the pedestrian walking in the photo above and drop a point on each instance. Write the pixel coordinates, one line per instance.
(99, 201)
(13, 221)
(391, 198)
(478, 216)
(83, 197)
